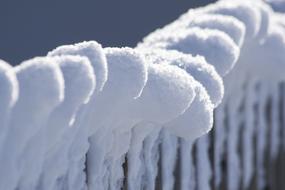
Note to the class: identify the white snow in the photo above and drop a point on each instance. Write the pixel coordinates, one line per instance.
(79, 85)
(8, 97)
(87, 117)
(25, 124)
(197, 41)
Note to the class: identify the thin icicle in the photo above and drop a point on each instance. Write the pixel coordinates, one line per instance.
(187, 168)
(136, 166)
(233, 162)
(204, 172)
(151, 157)
(261, 134)
(283, 115)
(219, 145)
(169, 158)
(248, 134)
(114, 102)
(275, 123)
(162, 79)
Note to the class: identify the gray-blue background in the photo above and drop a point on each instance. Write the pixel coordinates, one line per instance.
(32, 27)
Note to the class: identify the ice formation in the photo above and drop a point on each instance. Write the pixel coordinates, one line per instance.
(40, 100)
(160, 93)
(87, 117)
(78, 142)
(79, 85)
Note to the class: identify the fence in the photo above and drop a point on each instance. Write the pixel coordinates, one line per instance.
(87, 117)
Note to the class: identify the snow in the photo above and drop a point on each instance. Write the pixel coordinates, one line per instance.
(8, 97)
(25, 125)
(79, 85)
(228, 24)
(78, 141)
(94, 52)
(242, 10)
(196, 66)
(187, 166)
(197, 41)
(82, 112)
(120, 91)
(169, 92)
(203, 168)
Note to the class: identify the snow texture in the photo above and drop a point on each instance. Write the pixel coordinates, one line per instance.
(8, 97)
(79, 85)
(40, 100)
(197, 41)
(87, 117)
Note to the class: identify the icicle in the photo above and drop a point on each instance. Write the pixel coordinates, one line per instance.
(275, 123)
(188, 181)
(219, 144)
(261, 135)
(283, 115)
(196, 121)
(162, 79)
(248, 134)
(151, 157)
(41, 100)
(136, 167)
(169, 157)
(203, 163)
(233, 167)
(112, 110)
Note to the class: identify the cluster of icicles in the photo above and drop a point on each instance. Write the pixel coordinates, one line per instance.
(87, 117)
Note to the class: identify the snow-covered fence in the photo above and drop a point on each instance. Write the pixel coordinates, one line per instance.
(87, 117)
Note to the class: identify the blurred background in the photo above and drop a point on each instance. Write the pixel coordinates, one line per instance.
(33, 27)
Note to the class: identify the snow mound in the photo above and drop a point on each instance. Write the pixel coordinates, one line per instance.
(94, 52)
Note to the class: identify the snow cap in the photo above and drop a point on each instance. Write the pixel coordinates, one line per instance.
(217, 47)
(41, 81)
(78, 76)
(169, 91)
(242, 10)
(94, 52)
(197, 119)
(127, 68)
(9, 85)
(196, 66)
(228, 24)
